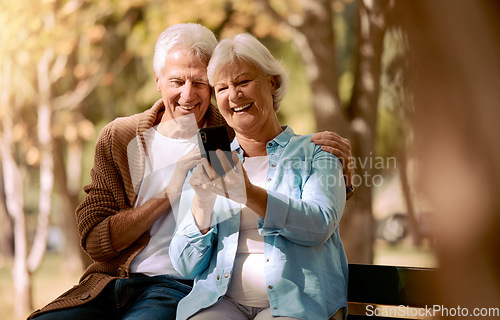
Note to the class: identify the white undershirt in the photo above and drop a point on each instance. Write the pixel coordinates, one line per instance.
(160, 164)
(248, 283)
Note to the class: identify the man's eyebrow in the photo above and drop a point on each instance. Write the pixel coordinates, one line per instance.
(200, 79)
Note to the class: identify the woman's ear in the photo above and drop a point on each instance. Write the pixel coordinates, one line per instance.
(274, 83)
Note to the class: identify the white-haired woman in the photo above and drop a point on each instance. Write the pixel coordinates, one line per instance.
(262, 241)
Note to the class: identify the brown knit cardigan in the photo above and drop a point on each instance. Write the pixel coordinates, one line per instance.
(109, 192)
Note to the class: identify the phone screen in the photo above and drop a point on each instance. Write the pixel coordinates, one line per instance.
(210, 139)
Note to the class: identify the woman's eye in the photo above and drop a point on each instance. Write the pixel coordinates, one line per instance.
(243, 82)
(221, 89)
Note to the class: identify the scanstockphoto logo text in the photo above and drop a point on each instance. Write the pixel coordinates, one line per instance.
(430, 311)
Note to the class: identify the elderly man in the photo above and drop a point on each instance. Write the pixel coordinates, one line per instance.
(126, 221)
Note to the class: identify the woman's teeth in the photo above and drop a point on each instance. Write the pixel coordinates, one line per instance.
(187, 107)
(238, 109)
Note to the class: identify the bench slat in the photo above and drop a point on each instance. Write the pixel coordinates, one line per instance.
(391, 285)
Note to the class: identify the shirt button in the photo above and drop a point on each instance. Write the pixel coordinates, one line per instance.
(270, 144)
(273, 165)
(267, 260)
(226, 275)
(275, 308)
(85, 296)
(268, 179)
(270, 287)
(218, 277)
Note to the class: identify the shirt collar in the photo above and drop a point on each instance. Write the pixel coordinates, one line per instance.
(282, 139)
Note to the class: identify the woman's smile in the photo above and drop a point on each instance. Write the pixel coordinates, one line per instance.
(242, 108)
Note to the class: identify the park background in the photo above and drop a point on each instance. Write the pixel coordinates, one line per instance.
(68, 67)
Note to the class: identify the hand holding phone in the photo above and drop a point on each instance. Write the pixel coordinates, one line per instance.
(210, 139)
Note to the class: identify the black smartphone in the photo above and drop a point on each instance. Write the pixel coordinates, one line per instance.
(210, 139)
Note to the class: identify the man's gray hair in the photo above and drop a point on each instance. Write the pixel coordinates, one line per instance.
(193, 37)
(247, 48)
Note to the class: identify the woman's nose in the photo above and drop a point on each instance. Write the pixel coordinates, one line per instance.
(234, 93)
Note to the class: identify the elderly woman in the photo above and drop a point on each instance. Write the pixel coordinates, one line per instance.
(262, 241)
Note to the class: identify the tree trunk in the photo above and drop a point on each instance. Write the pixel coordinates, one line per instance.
(13, 184)
(68, 182)
(6, 226)
(15, 202)
(410, 208)
(46, 161)
(357, 224)
(314, 39)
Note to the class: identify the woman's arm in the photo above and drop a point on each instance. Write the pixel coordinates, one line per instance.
(313, 218)
(190, 250)
(340, 147)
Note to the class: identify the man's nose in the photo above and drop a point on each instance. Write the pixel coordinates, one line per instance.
(188, 92)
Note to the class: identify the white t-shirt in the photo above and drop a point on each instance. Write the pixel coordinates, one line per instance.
(248, 283)
(160, 162)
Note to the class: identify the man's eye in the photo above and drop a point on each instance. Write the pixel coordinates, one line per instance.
(200, 85)
(177, 83)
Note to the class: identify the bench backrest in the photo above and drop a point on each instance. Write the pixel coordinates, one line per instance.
(374, 289)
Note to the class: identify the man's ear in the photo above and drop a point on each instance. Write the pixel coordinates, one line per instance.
(157, 80)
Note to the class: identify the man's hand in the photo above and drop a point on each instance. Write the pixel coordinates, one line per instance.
(184, 164)
(203, 202)
(340, 147)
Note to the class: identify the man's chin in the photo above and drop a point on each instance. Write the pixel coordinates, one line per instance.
(186, 119)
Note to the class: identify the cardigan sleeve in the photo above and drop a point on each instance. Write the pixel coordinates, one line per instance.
(102, 200)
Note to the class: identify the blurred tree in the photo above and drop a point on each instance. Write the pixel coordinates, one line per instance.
(51, 62)
(311, 24)
(6, 230)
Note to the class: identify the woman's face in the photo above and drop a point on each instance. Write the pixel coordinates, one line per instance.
(245, 96)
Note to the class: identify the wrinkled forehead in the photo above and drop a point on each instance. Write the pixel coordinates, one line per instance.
(234, 69)
(183, 63)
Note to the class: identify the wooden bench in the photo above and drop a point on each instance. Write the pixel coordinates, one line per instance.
(390, 292)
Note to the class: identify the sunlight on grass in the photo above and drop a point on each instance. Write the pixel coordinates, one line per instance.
(404, 255)
(48, 283)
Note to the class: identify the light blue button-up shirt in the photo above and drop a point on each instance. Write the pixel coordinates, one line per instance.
(306, 267)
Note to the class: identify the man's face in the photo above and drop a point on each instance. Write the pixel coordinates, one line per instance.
(184, 86)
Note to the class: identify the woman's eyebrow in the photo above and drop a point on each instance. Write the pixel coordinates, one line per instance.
(240, 75)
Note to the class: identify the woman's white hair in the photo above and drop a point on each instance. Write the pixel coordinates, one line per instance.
(193, 37)
(247, 48)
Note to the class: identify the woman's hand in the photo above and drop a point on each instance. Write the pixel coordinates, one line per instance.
(233, 185)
